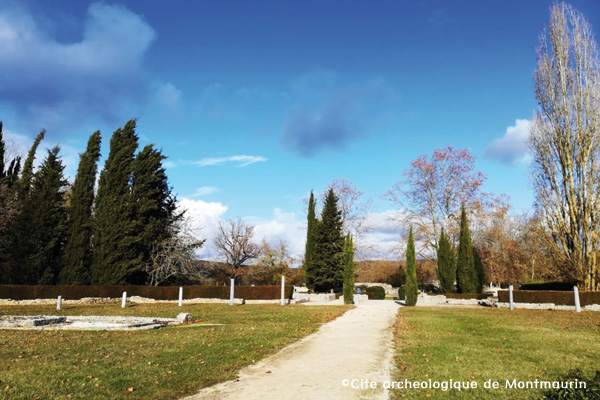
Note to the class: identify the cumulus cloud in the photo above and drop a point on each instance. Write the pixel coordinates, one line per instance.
(512, 147)
(383, 237)
(52, 83)
(328, 115)
(203, 218)
(241, 160)
(286, 228)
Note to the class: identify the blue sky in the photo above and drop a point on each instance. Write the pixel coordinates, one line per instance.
(256, 103)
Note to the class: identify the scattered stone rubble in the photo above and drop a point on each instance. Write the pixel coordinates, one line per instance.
(92, 322)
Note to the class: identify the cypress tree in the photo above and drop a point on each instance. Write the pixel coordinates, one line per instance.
(465, 267)
(27, 174)
(155, 206)
(2, 172)
(48, 221)
(20, 233)
(310, 243)
(412, 286)
(115, 254)
(328, 256)
(479, 273)
(78, 250)
(446, 264)
(349, 270)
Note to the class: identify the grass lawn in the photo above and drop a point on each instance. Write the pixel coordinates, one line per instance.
(477, 344)
(167, 363)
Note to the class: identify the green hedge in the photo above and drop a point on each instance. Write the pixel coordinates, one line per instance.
(557, 297)
(555, 286)
(30, 292)
(461, 296)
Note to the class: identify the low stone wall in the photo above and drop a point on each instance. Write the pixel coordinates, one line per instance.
(304, 297)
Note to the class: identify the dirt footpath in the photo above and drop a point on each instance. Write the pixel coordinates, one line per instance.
(357, 345)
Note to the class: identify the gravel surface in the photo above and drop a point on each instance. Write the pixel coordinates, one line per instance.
(357, 345)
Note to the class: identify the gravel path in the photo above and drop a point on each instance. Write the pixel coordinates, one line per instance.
(357, 345)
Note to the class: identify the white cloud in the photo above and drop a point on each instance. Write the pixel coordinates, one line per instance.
(286, 228)
(204, 220)
(242, 160)
(205, 190)
(383, 238)
(169, 164)
(512, 147)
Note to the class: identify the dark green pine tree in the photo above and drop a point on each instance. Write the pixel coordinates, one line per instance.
(78, 250)
(2, 172)
(27, 174)
(479, 273)
(446, 264)
(48, 212)
(20, 233)
(412, 285)
(328, 256)
(8, 211)
(466, 275)
(155, 206)
(309, 273)
(349, 270)
(115, 254)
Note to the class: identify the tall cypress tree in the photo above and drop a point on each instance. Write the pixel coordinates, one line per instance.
(466, 276)
(479, 273)
(20, 234)
(2, 172)
(115, 253)
(27, 174)
(310, 243)
(328, 256)
(349, 270)
(8, 211)
(48, 221)
(412, 285)
(155, 206)
(78, 250)
(446, 264)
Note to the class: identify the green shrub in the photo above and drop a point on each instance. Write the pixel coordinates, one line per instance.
(401, 293)
(378, 292)
(591, 391)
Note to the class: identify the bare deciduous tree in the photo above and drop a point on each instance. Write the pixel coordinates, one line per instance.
(234, 242)
(433, 189)
(174, 256)
(565, 142)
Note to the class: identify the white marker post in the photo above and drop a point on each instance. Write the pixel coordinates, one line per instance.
(180, 296)
(282, 290)
(577, 304)
(231, 293)
(59, 303)
(510, 297)
(124, 300)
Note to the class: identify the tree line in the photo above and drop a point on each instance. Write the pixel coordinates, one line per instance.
(52, 232)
